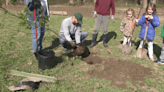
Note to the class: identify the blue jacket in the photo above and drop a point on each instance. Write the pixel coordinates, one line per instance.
(151, 27)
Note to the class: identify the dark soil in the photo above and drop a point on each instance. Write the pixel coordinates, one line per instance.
(119, 71)
(93, 59)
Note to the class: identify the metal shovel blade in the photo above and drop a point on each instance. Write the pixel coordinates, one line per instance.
(141, 54)
(127, 49)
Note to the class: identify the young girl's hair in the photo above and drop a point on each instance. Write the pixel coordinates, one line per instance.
(153, 6)
(133, 13)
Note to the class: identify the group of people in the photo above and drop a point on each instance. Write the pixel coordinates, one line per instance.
(129, 21)
(71, 27)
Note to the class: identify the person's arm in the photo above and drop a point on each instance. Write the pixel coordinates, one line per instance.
(113, 7)
(142, 20)
(96, 5)
(155, 21)
(78, 34)
(45, 7)
(65, 25)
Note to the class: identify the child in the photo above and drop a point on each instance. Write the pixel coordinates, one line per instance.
(149, 15)
(127, 26)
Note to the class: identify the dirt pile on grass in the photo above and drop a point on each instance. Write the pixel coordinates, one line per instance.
(119, 72)
(93, 59)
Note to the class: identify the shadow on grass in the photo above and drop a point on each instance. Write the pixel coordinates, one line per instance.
(156, 48)
(58, 59)
(110, 35)
(55, 43)
(87, 42)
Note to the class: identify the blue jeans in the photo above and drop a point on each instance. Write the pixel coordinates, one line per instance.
(162, 52)
(63, 41)
(40, 34)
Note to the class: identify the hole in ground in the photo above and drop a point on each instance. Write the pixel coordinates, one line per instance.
(119, 71)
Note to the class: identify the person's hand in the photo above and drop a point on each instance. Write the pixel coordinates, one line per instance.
(151, 17)
(137, 20)
(73, 44)
(112, 18)
(95, 14)
(146, 16)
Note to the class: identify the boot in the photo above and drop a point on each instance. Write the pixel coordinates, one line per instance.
(104, 43)
(94, 37)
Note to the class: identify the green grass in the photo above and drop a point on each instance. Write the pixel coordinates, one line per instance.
(16, 54)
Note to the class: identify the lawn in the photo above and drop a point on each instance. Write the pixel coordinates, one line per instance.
(73, 74)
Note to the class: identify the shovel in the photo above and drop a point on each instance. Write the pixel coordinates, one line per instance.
(127, 49)
(142, 52)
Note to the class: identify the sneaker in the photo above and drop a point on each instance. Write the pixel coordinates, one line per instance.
(159, 61)
(162, 62)
(65, 49)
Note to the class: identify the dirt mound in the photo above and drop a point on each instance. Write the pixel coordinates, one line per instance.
(93, 59)
(119, 71)
(81, 50)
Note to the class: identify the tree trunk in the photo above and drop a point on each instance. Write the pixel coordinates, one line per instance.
(94, 2)
(145, 3)
(153, 1)
(7, 2)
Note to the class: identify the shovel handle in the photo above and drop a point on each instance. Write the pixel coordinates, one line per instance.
(35, 27)
(138, 16)
(35, 24)
(147, 24)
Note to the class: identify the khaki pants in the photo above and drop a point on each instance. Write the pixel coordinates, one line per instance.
(162, 52)
(7, 2)
(104, 20)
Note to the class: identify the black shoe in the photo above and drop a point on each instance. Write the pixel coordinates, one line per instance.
(93, 40)
(104, 43)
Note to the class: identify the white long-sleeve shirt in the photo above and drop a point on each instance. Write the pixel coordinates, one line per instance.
(68, 29)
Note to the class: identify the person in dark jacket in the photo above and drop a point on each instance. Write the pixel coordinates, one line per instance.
(102, 13)
(149, 15)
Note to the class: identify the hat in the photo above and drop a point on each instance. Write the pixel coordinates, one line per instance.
(79, 17)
